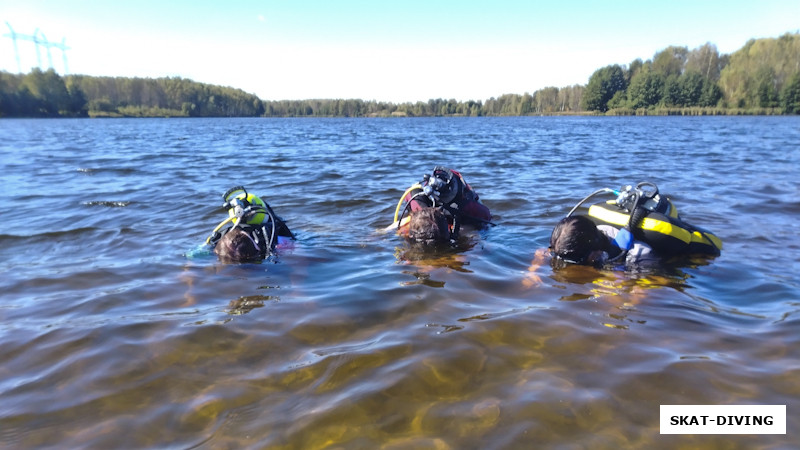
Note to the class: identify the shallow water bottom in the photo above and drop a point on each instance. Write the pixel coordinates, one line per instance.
(117, 334)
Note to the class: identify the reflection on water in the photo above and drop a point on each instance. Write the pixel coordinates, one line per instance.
(115, 322)
(428, 260)
(245, 304)
(621, 292)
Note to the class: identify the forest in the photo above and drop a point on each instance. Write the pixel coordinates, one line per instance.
(763, 77)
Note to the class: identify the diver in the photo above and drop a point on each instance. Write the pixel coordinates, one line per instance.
(255, 231)
(578, 240)
(639, 228)
(443, 190)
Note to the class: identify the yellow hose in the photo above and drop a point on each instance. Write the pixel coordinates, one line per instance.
(397, 210)
(208, 240)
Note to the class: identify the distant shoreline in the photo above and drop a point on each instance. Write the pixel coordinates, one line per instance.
(759, 79)
(688, 112)
(685, 112)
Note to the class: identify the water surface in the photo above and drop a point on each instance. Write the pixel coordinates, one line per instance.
(117, 333)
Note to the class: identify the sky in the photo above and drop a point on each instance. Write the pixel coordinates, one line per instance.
(399, 51)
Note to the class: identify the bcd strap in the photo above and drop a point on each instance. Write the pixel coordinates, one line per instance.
(261, 237)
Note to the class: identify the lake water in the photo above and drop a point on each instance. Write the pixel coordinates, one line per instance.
(117, 332)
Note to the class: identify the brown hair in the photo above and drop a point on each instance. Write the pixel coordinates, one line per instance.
(237, 246)
(429, 226)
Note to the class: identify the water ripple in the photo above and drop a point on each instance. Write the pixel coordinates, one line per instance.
(354, 339)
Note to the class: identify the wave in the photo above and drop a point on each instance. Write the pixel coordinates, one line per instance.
(107, 203)
(115, 170)
(56, 235)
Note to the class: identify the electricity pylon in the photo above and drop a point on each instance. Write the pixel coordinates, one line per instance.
(38, 42)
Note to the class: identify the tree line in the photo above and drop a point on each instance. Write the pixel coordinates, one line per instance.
(47, 94)
(761, 77)
(544, 101)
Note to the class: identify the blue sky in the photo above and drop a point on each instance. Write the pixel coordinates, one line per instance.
(375, 50)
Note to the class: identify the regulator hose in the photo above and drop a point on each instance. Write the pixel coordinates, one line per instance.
(397, 210)
(407, 207)
(270, 243)
(221, 224)
(585, 199)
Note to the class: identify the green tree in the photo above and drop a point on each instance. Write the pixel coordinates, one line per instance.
(710, 94)
(619, 100)
(525, 105)
(77, 99)
(670, 61)
(744, 81)
(634, 68)
(766, 91)
(706, 61)
(672, 92)
(49, 90)
(570, 97)
(790, 96)
(546, 100)
(646, 90)
(691, 88)
(603, 84)
(7, 94)
(27, 105)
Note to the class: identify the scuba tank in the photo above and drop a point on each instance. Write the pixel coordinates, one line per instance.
(653, 219)
(438, 189)
(254, 216)
(244, 206)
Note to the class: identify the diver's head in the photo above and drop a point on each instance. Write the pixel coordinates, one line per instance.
(237, 246)
(444, 182)
(577, 240)
(429, 226)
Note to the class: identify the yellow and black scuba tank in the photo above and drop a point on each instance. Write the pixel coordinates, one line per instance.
(254, 207)
(249, 212)
(653, 219)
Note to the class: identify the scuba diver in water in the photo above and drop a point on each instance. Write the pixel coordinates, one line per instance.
(639, 228)
(442, 194)
(578, 240)
(255, 233)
